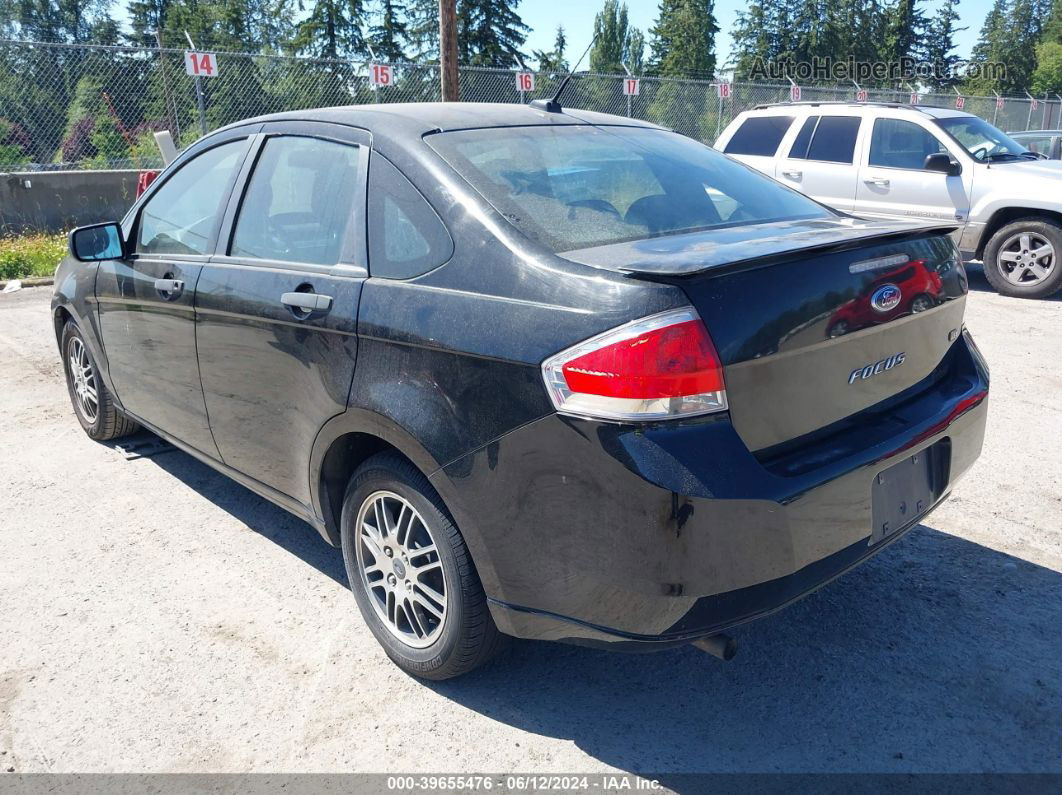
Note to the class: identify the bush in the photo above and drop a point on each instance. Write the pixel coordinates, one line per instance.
(30, 255)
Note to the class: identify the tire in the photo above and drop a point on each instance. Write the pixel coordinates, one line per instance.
(921, 303)
(1008, 241)
(422, 644)
(105, 422)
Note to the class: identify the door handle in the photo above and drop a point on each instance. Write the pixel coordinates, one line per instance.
(879, 181)
(793, 174)
(308, 302)
(169, 286)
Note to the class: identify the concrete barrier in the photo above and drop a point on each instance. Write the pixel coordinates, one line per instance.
(54, 201)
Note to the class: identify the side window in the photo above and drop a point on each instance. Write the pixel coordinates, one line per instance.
(901, 144)
(299, 202)
(759, 135)
(799, 150)
(829, 139)
(180, 216)
(406, 237)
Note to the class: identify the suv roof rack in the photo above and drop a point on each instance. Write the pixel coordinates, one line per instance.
(816, 103)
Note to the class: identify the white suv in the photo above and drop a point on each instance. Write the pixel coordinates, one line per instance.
(902, 161)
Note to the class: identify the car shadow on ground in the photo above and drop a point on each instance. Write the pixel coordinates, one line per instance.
(976, 275)
(937, 655)
(259, 514)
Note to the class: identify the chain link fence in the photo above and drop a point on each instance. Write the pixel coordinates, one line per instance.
(86, 107)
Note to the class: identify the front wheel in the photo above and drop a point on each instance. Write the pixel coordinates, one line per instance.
(1022, 258)
(411, 574)
(93, 405)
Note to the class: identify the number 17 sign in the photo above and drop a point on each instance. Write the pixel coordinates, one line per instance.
(630, 86)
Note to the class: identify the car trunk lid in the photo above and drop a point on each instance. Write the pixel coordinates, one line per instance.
(809, 336)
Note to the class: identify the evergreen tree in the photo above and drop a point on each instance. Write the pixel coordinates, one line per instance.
(333, 29)
(422, 22)
(490, 32)
(989, 48)
(904, 31)
(69, 21)
(614, 39)
(389, 34)
(683, 39)
(938, 49)
(553, 60)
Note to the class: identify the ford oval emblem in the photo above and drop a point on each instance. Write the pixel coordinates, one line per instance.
(886, 297)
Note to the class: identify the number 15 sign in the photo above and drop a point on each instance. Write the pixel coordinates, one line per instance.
(200, 64)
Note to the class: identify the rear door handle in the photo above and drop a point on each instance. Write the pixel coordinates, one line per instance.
(308, 302)
(169, 286)
(879, 181)
(793, 174)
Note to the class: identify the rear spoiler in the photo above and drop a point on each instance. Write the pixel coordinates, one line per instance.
(748, 244)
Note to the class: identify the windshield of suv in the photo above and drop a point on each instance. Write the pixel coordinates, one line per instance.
(572, 187)
(983, 141)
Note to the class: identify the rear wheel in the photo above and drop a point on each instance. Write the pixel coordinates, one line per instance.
(411, 573)
(1022, 258)
(93, 405)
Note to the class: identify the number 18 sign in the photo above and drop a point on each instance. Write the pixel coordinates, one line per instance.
(200, 64)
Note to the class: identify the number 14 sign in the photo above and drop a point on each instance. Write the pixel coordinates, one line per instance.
(200, 64)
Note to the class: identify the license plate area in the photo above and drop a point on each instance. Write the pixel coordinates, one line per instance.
(906, 491)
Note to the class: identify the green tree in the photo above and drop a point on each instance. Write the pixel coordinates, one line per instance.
(938, 49)
(422, 21)
(1048, 75)
(553, 60)
(333, 29)
(490, 32)
(904, 30)
(389, 33)
(615, 40)
(683, 39)
(71, 21)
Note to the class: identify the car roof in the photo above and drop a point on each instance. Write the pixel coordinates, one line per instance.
(927, 110)
(1036, 132)
(420, 118)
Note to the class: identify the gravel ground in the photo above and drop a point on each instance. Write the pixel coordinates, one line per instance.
(158, 617)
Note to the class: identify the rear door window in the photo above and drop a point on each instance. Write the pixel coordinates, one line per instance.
(829, 139)
(299, 203)
(759, 135)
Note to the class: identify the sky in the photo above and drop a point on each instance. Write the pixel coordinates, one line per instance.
(577, 16)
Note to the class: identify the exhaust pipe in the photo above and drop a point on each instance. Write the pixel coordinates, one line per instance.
(722, 646)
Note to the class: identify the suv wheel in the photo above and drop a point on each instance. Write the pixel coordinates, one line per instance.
(1022, 258)
(93, 405)
(411, 573)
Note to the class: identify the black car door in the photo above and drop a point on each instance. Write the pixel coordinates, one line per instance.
(145, 302)
(277, 305)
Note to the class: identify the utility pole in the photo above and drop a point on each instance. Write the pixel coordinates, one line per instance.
(448, 50)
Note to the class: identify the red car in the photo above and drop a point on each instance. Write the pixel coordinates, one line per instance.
(910, 288)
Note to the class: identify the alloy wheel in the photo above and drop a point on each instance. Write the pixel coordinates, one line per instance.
(84, 381)
(1026, 258)
(401, 569)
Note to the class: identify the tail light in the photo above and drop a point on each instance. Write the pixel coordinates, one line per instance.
(659, 367)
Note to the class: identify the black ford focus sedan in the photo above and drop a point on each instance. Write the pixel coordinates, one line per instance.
(540, 373)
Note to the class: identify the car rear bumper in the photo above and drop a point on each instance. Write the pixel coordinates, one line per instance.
(633, 537)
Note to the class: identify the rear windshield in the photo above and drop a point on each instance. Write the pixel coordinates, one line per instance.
(579, 186)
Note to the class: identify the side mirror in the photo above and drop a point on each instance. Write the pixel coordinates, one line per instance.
(97, 242)
(942, 162)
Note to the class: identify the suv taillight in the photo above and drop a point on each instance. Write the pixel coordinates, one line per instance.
(659, 367)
